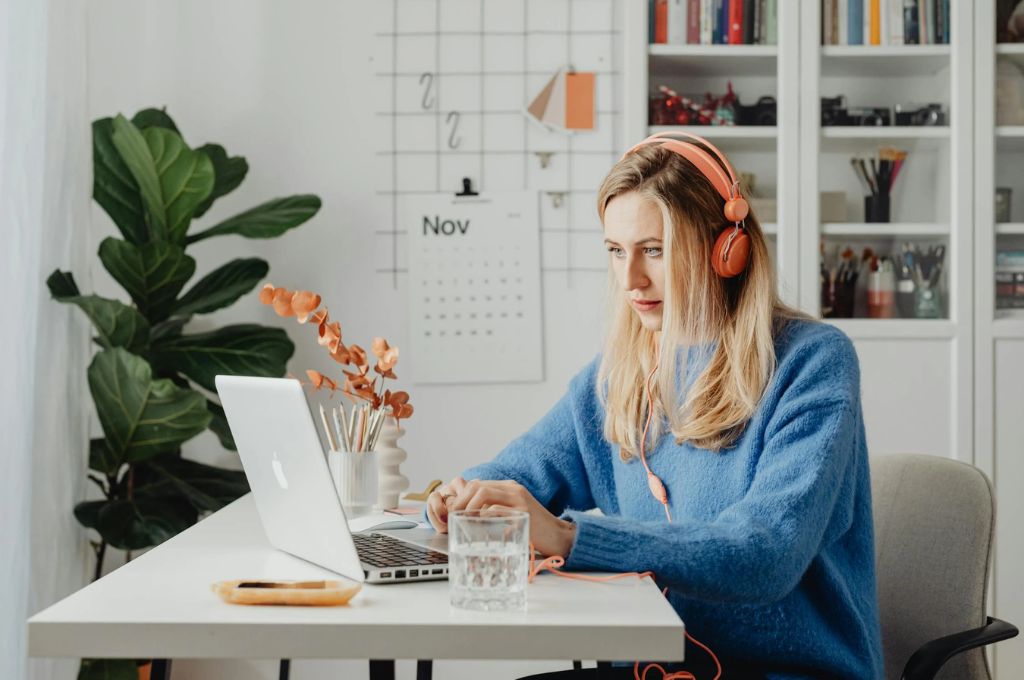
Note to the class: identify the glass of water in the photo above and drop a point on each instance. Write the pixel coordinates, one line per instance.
(488, 558)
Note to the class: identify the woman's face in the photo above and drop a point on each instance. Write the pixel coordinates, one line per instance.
(633, 233)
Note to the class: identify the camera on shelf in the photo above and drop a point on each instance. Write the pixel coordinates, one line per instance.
(835, 112)
(929, 114)
(760, 113)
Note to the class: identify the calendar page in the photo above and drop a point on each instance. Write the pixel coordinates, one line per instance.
(474, 288)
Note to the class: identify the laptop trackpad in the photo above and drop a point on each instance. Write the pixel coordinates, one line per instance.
(426, 537)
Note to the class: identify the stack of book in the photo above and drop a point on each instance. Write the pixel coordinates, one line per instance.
(713, 22)
(1010, 279)
(885, 22)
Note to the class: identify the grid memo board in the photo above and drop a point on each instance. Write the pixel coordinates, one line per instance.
(453, 79)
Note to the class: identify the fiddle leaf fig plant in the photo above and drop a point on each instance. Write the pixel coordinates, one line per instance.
(152, 381)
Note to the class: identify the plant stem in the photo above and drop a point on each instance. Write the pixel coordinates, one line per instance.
(101, 552)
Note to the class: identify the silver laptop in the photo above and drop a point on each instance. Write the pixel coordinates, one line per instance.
(295, 497)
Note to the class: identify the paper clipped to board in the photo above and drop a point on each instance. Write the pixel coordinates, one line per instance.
(474, 287)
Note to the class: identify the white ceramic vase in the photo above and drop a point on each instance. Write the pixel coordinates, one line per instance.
(390, 482)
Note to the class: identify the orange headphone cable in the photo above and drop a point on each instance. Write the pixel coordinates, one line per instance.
(553, 562)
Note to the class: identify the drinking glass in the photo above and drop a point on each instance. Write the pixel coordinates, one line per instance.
(488, 559)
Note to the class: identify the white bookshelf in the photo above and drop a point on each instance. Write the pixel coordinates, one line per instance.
(998, 333)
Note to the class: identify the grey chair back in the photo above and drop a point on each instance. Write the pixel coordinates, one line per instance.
(934, 520)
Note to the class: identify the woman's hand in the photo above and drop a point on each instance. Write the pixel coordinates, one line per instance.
(549, 534)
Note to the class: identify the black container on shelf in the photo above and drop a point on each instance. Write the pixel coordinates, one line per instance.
(876, 208)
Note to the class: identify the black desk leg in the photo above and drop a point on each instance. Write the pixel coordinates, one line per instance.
(285, 669)
(161, 670)
(424, 669)
(382, 670)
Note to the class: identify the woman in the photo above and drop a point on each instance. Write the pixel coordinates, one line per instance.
(755, 440)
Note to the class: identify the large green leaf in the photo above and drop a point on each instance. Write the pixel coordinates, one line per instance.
(153, 274)
(244, 349)
(219, 425)
(267, 220)
(173, 179)
(135, 153)
(229, 171)
(222, 286)
(108, 669)
(186, 178)
(101, 459)
(154, 118)
(142, 417)
(113, 186)
(143, 521)
(88, 512)
(118, 324)
(205, 487)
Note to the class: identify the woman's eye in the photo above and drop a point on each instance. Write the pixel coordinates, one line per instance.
(653, 252)
(617, 252)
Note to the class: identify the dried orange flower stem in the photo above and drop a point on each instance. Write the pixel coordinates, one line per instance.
(305, 306)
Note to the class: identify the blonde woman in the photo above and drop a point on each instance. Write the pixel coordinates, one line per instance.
(720, 433)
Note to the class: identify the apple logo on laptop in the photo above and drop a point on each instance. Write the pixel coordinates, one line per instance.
(279, 472)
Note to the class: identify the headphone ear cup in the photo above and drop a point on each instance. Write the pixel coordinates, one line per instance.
(731, 263)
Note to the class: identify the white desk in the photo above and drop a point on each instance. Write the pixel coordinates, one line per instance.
(160, 606)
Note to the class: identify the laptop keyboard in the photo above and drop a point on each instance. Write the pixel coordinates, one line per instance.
(379, 550)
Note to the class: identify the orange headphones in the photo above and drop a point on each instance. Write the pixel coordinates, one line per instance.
(732, 248)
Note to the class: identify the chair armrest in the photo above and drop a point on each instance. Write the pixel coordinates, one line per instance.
(928, 659)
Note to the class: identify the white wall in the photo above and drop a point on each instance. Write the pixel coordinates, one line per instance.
(290, 87)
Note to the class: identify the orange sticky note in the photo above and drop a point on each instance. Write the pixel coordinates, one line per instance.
(579, 101)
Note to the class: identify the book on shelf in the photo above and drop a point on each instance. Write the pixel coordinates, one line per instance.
(885, 22)
(713, 22)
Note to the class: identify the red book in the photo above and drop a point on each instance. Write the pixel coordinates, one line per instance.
(661, 21)
(736, 22)
(693, 22)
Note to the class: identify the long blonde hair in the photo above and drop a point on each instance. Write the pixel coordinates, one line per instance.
(727, 324)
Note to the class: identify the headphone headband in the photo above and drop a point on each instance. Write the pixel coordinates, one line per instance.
(724, 181)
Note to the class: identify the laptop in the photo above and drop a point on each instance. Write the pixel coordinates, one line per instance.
(295, 497)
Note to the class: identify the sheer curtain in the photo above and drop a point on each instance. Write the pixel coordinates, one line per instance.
(45, 188)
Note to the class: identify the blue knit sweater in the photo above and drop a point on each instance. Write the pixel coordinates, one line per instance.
(770, 555)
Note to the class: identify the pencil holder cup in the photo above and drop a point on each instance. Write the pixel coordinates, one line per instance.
(355, 478)
(927, 303)
(876, 208)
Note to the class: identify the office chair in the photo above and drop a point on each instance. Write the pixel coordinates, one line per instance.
(934, 521)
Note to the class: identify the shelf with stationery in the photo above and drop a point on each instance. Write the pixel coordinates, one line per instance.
(883, 92)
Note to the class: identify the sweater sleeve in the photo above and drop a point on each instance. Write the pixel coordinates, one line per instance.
(547, 459)
(757, 549)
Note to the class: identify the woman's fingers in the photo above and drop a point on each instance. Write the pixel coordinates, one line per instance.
(436, 513)
(492, 494)
(439, 503)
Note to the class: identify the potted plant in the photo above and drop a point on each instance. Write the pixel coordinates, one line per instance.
(152, 382)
